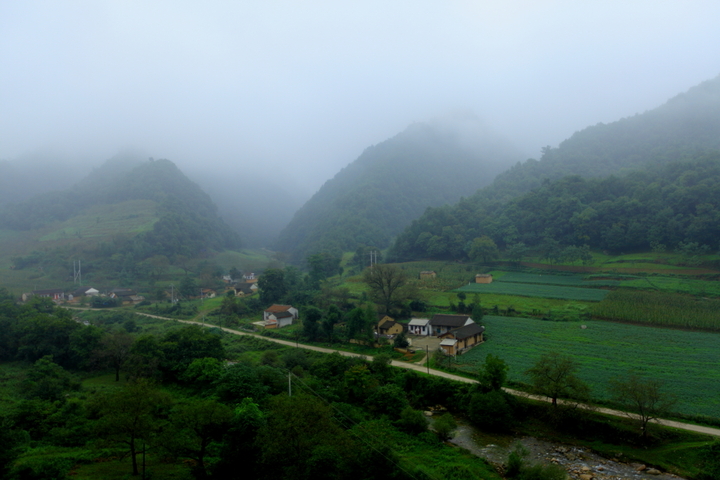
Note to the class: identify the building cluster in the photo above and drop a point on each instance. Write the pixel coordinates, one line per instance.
(457, 332)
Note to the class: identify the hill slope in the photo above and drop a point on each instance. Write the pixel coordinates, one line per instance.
(684, 128)
(120, 214)
(390, 184)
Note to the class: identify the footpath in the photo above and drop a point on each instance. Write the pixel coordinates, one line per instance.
(438, 373)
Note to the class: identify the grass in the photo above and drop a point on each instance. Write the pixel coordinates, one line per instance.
(536, 290)
(685, 362)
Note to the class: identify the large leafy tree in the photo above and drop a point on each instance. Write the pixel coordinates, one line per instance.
(644, 397)
(272, 286)
(555, 376)
(131, 414)
(389, 285)
(483, 249)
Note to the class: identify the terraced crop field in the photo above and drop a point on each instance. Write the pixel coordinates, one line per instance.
(536, 290)
(686, 362)
(562, 280)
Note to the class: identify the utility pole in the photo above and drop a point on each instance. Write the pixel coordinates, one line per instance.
(427, 359)
(172, 294)
(289, 384)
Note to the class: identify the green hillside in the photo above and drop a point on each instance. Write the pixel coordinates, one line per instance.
(119, 216)
(390, 184)
(664, 194)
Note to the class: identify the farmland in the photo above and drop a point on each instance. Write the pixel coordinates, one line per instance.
(660, 308)
(536, 290)
(606, 351)
(562, 280)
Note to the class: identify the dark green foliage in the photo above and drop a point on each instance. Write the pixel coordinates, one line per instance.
(659, 203)
(47, 380)
(412, 421)
(239, 381)
(400, 341)
(445, 427)
(494, 411)
(493, 373)
(272, 286)
(181, 346)
(390, 184)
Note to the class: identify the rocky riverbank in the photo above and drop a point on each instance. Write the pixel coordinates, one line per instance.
(580, 463)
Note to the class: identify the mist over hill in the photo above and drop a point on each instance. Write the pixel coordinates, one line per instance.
(183, 220)
(391, 183)
(530, 204)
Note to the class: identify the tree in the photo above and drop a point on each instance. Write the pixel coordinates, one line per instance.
(445, 427)
(48, 381)
(195, 424)
(554, 376)
(516, 252)
(311, 322)
(115, 350)
(644, 397)
(493, 373)
(272, 286)
(483, 248)
(130, 414)
(389, 285)
(188, 287)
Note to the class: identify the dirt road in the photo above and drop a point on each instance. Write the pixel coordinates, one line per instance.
(431, 371)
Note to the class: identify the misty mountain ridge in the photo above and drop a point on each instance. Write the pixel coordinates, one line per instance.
(531, 203)
(391, 183)
(185, 218)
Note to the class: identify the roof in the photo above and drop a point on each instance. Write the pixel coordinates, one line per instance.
(454, 321)
(380, 316)
(483, 275)
(278, 308)
(244, 287)
(50, 291)
(467, 331)
(123, 292)
(427, 272)
(279, 315)
(448, 342)
(387, 325)
(419, 322)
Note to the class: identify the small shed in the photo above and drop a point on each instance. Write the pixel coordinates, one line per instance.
(483, 278)
(449, 346)
(427, 275)
(419, 326)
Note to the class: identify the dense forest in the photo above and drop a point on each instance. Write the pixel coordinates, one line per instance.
(373, 198)
(661, 193)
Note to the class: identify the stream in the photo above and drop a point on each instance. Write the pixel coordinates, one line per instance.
(580, 463)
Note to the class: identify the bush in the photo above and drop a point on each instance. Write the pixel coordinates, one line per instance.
(412, 421)
(445, 427)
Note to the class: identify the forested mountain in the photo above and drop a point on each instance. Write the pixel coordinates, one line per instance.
(373, 198)
(179, 218)
(685, 128)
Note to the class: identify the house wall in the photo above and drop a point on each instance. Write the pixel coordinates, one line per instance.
(487, 279)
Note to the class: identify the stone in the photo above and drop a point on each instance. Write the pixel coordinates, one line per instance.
(640, 467)
(586, 476)
(585, 469)
(653, 471)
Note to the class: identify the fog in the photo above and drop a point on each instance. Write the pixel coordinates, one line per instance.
(279, 96)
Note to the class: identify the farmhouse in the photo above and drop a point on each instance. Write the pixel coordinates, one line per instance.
(279, 319)
(86, 291)
(461, 339)
(387, 326)
(243, 289)
(483, 278)
(444, 323)
(54, 293)
(427, 275)
(419, 326)
(274, 309)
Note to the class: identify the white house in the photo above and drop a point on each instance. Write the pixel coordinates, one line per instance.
(273, 309)
(419, 326)
(279, 320)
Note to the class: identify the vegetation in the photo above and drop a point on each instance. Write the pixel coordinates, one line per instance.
(660, 308)
(373, 198)
(536, 290)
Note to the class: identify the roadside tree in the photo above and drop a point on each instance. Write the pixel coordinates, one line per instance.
(554, 376)
(643, 397)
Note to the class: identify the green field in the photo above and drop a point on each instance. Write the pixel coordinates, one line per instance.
(677, 284)
(545, 279)
(536, 290)
(686, 362)
(660, 308)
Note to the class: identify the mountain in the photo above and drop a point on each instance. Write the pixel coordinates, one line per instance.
(373, 198)
(683, 129)
(119, 215)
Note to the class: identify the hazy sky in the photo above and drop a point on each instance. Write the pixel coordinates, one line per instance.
(298, 89)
